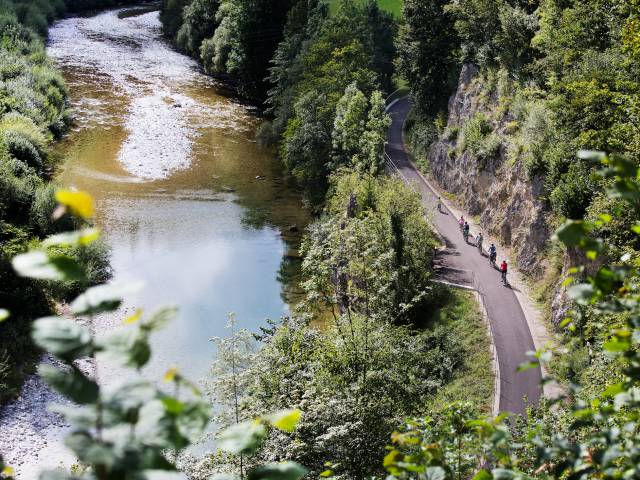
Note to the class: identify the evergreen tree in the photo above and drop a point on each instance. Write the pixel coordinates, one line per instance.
(426, 52)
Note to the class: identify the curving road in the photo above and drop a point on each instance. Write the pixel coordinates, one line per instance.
(510, 330)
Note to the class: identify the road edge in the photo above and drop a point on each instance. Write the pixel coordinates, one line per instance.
(542, 339)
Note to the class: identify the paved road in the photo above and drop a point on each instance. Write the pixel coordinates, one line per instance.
(510, 330)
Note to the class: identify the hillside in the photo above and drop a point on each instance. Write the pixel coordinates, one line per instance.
(521, 117)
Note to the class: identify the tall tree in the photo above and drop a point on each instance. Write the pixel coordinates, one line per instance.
(199, 22)
(371, 156)
(244, 43)
(349, 125)
(426, 45)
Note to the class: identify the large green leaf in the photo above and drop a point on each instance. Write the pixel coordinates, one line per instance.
(582, 293)
(40, 265)
(103, 298)
(81, 417)
(193, 419)
(64, 338)
(572, 233)
(129, 347)
(68, 239)
(92, 452)
(72, 384)
(285, 420)
(278, 471)
(242, 439)
(125, 401)
(483, 475)
(157, 428)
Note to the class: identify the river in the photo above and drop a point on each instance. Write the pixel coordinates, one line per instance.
(188, 202)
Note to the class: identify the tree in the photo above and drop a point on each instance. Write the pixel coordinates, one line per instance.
(199, 22)
(171, 15)
(371, 157)
(426, 58)
(349, 126)
(245, 41)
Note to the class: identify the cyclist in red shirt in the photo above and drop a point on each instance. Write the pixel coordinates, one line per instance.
(503, 271)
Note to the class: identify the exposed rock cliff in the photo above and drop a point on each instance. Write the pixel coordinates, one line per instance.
(499, 191)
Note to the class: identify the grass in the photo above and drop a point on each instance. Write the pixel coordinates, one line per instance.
(474, 381)
(392, 6)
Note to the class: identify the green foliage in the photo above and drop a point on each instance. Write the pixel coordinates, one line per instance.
(426, 53)
(311, 72)
(391, 6)
(382, 249)
(199, 23)
(595, 433)
(129, 430)
(359, 131)
(244, 41)
(495, 32)
(479, 139)
(574, 191)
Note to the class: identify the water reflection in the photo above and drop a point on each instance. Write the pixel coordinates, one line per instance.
(188, 201)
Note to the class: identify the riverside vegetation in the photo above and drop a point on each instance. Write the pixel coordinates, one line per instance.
(553, 78)
(128, 431)
(33, 114)
(384, 356)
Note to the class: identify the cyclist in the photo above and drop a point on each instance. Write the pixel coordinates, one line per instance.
(503, 271)
(479, 240)
(493, 253)
(465, 232)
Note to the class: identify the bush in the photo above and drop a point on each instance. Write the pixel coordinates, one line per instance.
(42, 208)
(479, 139)
(22, 149)
(21, 126)
(571, 197)
(16, 195)
(538, 132)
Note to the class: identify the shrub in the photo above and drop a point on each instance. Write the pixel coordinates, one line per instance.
(538, 132)
(42, 208)
(16, 195)
(22, 149)
(452, 132)
(479, 139)
(20, 125)
(571, 197)
(474, 131)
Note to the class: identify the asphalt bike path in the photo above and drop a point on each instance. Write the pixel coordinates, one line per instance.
(511, 333)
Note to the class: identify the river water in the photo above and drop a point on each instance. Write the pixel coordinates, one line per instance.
(188, 202)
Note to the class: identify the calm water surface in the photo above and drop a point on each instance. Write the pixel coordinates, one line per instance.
(189, 203)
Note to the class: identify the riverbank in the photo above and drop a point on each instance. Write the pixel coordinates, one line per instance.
(187, 200)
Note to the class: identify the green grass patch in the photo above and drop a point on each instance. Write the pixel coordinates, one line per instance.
(474, 381)
(391, 6)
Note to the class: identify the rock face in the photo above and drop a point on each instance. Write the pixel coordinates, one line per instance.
(498, 191)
